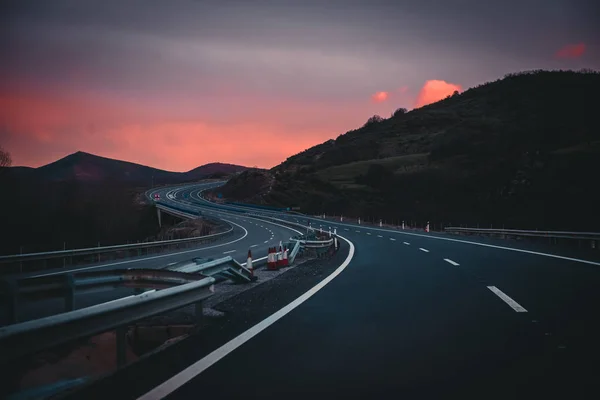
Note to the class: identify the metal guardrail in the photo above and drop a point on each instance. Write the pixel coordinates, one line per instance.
(594, 236)
(315, 244)
(225, 267)
(294, 252)
(91, 251)
(14, 291)
(27, 338)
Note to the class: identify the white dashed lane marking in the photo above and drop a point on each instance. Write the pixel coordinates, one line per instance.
(513, 304)
(393, 239)
(230, 251)
(379, 236)
(425, 250)
(451, 262)
(406, 243)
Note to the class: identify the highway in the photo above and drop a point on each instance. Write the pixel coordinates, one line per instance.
(249, 234)
(405, 314)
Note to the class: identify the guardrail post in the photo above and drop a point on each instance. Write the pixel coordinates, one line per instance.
(121, 345)
(12, 301)
(198, 312)
(69, 292)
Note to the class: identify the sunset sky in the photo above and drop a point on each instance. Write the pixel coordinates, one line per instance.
(179, 83)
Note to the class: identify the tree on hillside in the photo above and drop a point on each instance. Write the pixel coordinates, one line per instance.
(5, 159)
(400, 111)
(373, 120)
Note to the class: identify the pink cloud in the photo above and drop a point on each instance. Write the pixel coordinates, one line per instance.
(403, 89)
(571, 51)
(380, 97)
(435, 90)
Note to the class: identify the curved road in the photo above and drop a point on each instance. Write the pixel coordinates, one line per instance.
(408, 315)
(248, 233)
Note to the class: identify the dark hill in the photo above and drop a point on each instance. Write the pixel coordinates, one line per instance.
(523, 151)
(84, 199)
(87, 167)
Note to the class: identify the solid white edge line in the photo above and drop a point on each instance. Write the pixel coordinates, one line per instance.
(180, 379)
(451, 262)
(424, 250)
(537, 253)
(513, 304)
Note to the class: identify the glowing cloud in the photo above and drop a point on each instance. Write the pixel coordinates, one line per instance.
(380, 97)
(571, 51)
(434, 90)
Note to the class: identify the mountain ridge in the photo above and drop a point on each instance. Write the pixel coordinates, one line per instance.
(507, 152)
(88, 167)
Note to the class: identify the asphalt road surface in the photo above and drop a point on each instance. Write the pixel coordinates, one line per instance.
(406, 315)
(249, 234)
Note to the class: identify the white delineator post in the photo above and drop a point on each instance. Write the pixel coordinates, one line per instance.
(249, 262)
(359, 220)
(380, 223)
(402, 224)
(329, 231)
(285, 257)
(341, 219)
(427, 227)
(280, 256)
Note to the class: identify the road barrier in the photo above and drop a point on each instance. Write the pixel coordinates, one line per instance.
(66, 286)
(592, 237)
(226, 268)
(18, 263)
(28, 338)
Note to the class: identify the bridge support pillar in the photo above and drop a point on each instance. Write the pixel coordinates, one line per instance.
(159, 217)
